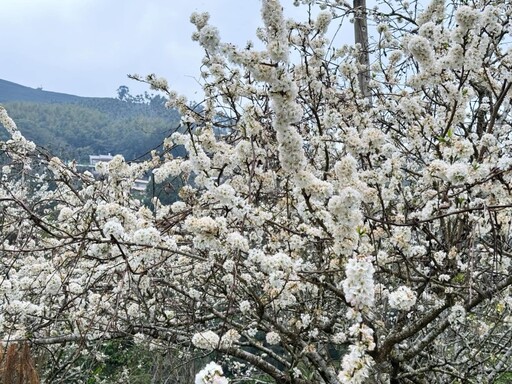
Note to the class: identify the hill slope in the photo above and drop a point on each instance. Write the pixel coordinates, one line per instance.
(10, 91)
(75, 127)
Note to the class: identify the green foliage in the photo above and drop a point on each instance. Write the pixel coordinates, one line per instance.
(73, 127)
(120, 356)
(126, 362)
(505, 378)
(75, 131)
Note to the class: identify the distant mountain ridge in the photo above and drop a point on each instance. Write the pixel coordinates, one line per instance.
(131, 106)
(10, 91)
(75, 127)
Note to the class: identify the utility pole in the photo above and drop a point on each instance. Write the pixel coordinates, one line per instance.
(361, 39)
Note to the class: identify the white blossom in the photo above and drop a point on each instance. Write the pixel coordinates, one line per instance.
(146, 236)
(273, 338)
(421, 49)
(206, 340)
(467, 17)
(113, 228)
(358, 284)
(212, 373)
(402, 298)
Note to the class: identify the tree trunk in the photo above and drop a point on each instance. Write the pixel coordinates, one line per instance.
(361, 38)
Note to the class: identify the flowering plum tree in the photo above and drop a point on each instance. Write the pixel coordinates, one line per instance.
(328, 235)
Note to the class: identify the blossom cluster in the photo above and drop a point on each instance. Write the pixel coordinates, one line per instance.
(402, 298)
(312, 214)
(206, 340)
(212, 373)
(358, 284)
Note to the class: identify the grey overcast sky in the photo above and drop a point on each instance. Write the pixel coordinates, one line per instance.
(87, 47)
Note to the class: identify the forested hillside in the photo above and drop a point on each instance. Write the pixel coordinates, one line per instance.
(73, 127)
